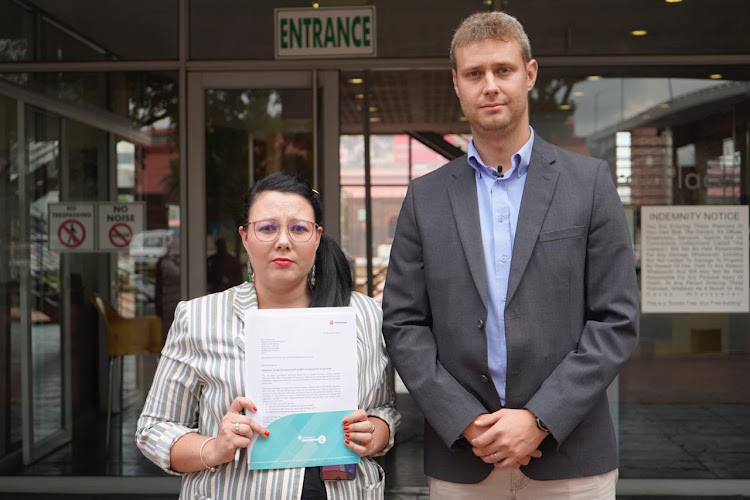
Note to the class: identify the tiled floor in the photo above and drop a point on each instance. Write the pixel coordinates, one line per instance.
(685, 440)
(86, 455)
(682, 440)
(404, 479)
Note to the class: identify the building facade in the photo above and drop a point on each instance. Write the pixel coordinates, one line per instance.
(173, 108)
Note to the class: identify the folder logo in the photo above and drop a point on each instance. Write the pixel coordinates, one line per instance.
(311, 439)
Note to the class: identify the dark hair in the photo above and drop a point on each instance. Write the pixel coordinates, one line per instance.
(333, 285)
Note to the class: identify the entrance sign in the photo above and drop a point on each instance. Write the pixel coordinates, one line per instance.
(71, 227)
(325, 32)
(695, 259)
(117, 223)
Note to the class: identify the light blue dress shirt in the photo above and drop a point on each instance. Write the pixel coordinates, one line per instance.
(499, 203)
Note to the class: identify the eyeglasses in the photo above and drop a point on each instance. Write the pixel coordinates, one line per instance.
(269, 229)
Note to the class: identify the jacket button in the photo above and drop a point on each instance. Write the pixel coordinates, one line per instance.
(485, 378)
(480, 324)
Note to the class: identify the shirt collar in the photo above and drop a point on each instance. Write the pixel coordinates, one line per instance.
(520, 159)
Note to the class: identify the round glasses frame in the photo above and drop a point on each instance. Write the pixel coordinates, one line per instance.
(292, 229)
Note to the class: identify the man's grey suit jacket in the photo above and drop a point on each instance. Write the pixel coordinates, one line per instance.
(571, 313)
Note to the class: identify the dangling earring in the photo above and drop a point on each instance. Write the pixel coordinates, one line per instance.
(250, 272)
(311, 279)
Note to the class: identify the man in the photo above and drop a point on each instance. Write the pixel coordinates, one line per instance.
(222, 268)
(511, 299)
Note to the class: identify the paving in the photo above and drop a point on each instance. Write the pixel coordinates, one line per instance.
(657, 440)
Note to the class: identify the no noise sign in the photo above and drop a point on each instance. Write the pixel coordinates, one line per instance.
(117, 223)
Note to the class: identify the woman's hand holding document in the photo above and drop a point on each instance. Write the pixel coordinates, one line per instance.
(301, 372)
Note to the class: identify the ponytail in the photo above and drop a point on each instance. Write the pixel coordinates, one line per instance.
(333, 287)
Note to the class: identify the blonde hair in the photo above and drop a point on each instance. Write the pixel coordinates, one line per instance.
(490, 26)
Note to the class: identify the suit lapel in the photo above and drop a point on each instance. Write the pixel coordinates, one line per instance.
(537, 194)
(463, 198)
(244, 298)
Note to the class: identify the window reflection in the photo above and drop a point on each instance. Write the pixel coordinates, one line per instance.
(82, 30)
(67, 158)
(43, 149)
(13, 262)
(394, 160)
(675, 142)
(670, 142)
(249, 134)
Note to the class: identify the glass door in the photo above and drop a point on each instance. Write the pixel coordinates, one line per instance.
(10, 286)
(45, 346)
(245, 126)
(54, 357)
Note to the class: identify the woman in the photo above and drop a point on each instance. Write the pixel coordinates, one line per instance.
(193, 422)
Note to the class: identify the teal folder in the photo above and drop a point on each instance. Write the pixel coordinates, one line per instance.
(303, 440)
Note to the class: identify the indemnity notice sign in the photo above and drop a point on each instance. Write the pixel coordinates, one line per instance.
(325, 32)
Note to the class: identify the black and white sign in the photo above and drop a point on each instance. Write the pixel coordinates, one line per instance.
(117, 223)
(694, 259)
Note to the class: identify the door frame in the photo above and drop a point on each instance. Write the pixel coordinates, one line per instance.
(33, 449)
(325, 87)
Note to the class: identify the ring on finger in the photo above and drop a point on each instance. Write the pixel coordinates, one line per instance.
(494, 455)
(372, 431)
(236, 427)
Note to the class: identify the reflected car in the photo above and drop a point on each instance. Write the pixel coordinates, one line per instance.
(149, 246)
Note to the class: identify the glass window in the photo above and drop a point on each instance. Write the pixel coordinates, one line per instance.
(565, 30)
(676, 140)
(219, 28)
(58, 43)
(12, 263)
(140, 110)
(395, 159)
(83, 129)
(424, 159)
(386, 204)
(249, 134)
(16, 25)
(389, 159)
(351, 159)
(670, 142)
(353, 227)
(84, 30)
(43, 178)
